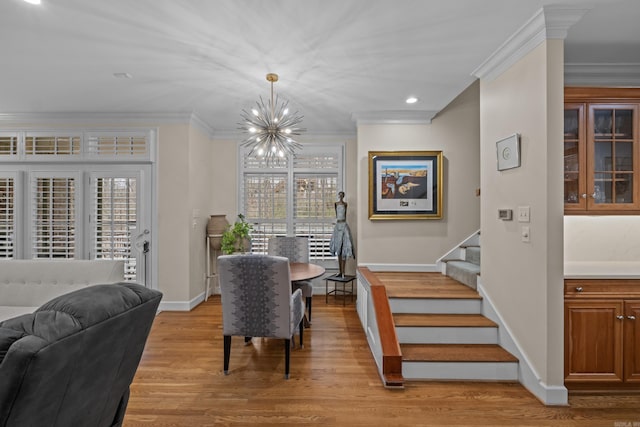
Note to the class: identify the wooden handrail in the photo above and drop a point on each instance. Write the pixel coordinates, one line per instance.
(391, 353)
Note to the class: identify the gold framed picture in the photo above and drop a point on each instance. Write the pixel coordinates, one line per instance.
(405, 185)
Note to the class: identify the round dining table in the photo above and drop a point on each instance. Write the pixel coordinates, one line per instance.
(305, 271)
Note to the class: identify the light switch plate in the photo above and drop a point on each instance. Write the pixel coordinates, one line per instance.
(523, 213)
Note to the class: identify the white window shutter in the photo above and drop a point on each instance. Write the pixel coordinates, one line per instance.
(53, 216)
(7, 217)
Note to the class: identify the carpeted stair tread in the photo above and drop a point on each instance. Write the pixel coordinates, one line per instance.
(455, 353)
(441, 320)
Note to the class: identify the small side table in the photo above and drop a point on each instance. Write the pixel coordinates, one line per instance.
(337, 279)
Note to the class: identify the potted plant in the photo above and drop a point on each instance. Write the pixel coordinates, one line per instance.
(236, 237)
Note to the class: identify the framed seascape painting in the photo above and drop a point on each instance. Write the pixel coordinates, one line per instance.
(405, 184)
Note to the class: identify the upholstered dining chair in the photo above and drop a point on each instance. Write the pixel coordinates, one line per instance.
(257, 301)
(297, 250)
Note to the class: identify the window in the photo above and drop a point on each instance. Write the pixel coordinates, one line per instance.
(294, 197)
(114, 216)
(53, 219)
(84, 193)
(7, 216)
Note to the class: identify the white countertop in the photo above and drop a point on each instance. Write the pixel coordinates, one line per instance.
(602, 270)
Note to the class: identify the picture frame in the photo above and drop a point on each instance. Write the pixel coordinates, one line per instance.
(405, 185)
(508, 152)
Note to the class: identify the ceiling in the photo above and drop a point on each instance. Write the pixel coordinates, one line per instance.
(334, 57)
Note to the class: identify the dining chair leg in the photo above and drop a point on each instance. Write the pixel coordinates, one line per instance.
(309, 300)
(247, 340)
(301, 334)
(227, 352)
(287, 355)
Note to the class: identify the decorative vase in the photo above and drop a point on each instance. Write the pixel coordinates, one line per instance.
(216, 225)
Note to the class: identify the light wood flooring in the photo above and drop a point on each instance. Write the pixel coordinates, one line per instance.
(334, 382)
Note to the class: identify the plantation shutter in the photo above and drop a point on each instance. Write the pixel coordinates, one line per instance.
(294, 196)
(53, 216)
(7, 217)
(114, 219)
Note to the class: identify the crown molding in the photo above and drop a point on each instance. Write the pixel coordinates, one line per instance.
(102, 118)
(550, 22)
(602, 74)
(398, 117)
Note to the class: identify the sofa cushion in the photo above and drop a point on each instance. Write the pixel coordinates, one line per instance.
(9, 311)
(30, 283)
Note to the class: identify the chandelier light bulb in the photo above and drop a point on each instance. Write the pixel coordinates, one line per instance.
(252, 129)
(287, 131)
(255, 112)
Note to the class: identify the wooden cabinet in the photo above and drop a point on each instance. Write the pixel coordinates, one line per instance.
(602, 150)
(602, 335)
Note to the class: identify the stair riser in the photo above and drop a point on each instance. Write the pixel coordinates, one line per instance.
(472, 254)
(436, 306)
(461, 371)
(447, 335)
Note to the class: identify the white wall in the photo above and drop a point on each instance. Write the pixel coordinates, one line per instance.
(417, 244)
(200, 183)
(525, 280)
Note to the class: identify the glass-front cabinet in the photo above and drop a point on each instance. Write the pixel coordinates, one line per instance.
(575, 193)
(601, 153)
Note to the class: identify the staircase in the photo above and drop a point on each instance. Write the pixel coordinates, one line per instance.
(439, 323)
(444, 336)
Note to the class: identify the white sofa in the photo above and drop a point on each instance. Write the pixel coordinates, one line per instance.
(27, 284)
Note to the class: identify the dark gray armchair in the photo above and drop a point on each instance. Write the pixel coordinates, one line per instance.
(70, 363)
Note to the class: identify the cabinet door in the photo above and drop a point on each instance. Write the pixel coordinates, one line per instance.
(632, 341)
(612, 147)
(575, 180)
(593, 340)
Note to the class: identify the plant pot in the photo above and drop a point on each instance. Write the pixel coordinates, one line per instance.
(216, 225)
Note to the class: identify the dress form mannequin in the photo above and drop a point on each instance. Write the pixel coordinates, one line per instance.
(341, 241)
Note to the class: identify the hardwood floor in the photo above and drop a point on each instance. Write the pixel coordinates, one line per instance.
(334, 382)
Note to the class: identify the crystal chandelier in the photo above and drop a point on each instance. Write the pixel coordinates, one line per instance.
(271, 128)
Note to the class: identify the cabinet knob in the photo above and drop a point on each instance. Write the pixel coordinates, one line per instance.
(584, 195)
(620, 317)
(578, 288)
(631, 317)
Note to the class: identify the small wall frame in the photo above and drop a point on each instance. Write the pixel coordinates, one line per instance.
(508, 152)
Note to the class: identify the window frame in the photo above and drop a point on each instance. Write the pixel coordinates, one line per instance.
(292, 170)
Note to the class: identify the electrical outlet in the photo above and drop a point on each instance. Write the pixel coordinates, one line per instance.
(526, 234)
(523, 213)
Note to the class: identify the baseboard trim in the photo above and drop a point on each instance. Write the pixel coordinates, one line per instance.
(527, 375)
(427, 268)
(181, 305)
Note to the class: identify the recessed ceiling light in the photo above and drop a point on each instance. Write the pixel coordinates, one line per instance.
(122, 76)
(411, 100)
(33, 1)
